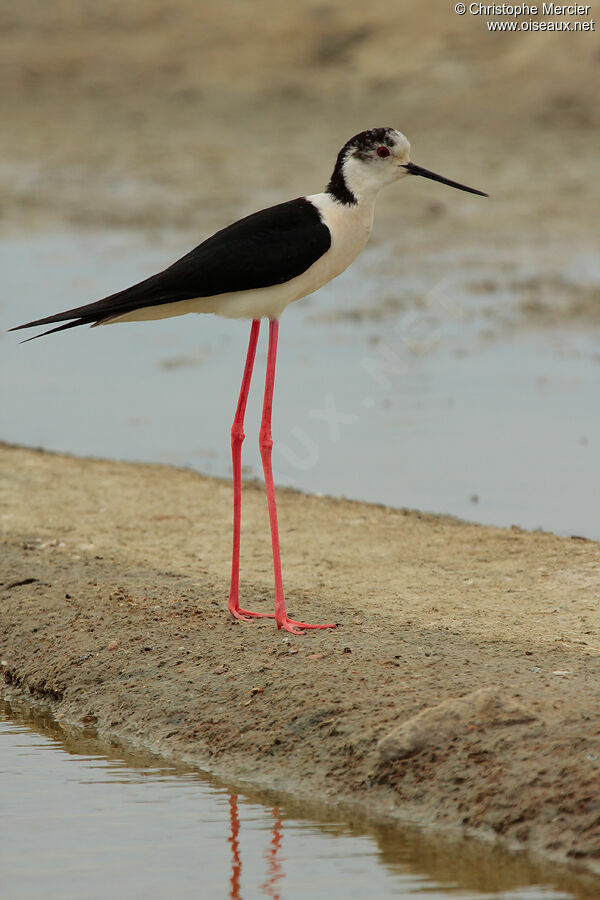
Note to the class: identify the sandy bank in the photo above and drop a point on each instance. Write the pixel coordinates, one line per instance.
(99, 555)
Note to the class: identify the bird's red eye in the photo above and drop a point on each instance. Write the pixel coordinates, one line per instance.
(383, 152)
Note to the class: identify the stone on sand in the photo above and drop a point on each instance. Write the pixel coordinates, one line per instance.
(438, 725)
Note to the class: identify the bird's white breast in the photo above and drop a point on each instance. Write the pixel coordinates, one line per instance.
(350, 227)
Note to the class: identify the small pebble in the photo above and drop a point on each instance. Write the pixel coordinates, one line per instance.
(113, 645)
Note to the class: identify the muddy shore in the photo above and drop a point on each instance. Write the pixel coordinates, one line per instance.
(114, 584)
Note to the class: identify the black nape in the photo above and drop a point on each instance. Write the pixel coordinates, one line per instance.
(337, 186)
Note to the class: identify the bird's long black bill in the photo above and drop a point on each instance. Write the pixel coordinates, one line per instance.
(425, 173)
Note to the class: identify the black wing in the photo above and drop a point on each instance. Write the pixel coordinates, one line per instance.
(266, 248)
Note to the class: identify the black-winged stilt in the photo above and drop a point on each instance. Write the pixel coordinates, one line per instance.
(253, 269)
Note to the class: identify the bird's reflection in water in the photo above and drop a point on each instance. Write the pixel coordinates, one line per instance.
(234, 840)
(274, 868)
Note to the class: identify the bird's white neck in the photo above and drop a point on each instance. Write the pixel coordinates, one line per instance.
(360, 182)
(352, 183)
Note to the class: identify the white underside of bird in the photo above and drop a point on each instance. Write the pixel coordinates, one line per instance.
(349, 227)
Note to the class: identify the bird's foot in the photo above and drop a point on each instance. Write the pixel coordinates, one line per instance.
(246, 615)
(295, 627)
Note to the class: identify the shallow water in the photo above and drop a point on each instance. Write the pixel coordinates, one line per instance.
(81, 820)
(420, 408)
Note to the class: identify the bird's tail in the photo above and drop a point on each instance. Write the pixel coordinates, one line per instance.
(101, 310)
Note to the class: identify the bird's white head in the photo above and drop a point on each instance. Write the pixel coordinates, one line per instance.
(372, 159)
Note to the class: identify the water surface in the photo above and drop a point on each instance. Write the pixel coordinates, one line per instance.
(419, 407)
(81, 821)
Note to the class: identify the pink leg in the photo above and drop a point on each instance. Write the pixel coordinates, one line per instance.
(237, 438)
(266, 445)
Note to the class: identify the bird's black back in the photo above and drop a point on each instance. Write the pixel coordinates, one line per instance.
(263, 249)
